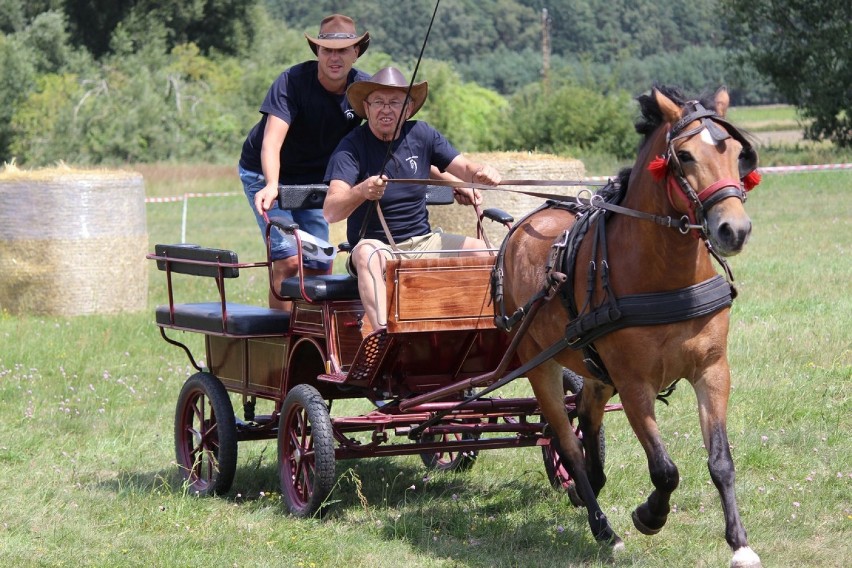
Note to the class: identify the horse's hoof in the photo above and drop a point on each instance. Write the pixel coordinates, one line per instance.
(745, 557)
(617, 544)
(642, 527)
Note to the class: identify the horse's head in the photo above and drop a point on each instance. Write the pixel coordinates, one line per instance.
(707, 166)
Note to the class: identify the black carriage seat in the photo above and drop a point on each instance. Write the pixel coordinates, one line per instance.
(322, 288)
(241, 319)
(238, 319)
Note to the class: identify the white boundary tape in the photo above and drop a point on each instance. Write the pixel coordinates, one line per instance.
(185, 196)
(770, 170)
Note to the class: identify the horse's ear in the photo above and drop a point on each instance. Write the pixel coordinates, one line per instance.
(722, 101)
(670, 111)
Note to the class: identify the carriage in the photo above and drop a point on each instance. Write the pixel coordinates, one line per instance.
(619, 287)
(422, 374)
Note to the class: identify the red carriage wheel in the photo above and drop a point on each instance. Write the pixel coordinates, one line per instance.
(205, 435)
(449, 460)
(305, 451)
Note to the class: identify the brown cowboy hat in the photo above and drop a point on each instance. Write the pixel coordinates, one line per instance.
(337, 32)
(387, 78)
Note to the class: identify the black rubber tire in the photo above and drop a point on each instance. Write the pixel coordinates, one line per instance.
(449, 461)
(305, 451)
(206, 435)
(557, 474)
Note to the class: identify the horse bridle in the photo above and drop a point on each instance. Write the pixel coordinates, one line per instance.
(700, 201)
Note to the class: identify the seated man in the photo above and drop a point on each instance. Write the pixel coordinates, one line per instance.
(361, 165)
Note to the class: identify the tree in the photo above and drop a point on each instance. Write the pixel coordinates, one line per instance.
(803, 47)
(213, 25)
(567, 119)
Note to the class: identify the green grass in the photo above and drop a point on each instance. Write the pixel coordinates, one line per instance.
(87, 472)
(765, 117)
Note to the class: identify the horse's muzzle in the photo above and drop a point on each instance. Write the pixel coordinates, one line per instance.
(728, 226)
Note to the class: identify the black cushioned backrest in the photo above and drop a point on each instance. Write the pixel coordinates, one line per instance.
(179, 252)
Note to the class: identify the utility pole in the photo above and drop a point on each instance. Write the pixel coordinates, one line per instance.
(545, 46)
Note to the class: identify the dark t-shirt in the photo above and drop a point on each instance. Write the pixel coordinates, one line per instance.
(361, 155)
(318, 120)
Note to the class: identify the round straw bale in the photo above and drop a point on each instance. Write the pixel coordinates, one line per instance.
(511, 165)
(72, 242)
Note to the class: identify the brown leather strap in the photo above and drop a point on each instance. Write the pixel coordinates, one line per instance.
(385, 227)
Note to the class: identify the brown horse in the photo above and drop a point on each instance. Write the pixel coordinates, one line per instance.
(648, 254)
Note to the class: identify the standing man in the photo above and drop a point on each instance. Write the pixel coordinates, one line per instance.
(391, 146)
(305, 115)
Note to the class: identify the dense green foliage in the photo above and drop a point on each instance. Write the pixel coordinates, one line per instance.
(804, 47)
(498, 43)
(97, 81)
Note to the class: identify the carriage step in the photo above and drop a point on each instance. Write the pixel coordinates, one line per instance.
(338, 378)
(367, 360)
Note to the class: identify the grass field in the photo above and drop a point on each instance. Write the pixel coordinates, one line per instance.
(87, 474)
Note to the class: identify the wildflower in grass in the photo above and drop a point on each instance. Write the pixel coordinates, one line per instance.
(560, 529)
(764, 439)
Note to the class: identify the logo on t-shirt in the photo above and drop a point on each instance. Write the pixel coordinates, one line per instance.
(350, 114)
(412, 163)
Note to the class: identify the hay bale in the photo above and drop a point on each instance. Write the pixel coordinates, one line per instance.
(72, 242)
(511, 165)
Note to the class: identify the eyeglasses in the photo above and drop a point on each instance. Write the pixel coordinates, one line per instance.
(394, 105)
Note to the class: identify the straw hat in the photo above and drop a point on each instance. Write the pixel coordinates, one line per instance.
(337, 32)
(387, 78)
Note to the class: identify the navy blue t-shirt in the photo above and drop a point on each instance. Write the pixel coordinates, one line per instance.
(318, 120)
(361, 155)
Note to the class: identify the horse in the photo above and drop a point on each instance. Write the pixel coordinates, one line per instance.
(649, 241)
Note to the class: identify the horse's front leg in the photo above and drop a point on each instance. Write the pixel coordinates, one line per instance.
(638, 399)
(546, 381)
(712, 391)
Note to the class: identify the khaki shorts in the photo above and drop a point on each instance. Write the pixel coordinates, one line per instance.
(415, 247)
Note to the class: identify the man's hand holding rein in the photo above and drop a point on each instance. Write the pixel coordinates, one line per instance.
(373, 188)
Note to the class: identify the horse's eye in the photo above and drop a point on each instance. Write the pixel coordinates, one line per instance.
(685, 157)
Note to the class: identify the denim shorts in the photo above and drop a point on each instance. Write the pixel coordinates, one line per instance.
(309, 220)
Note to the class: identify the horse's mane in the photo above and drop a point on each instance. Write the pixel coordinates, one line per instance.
(651, 118)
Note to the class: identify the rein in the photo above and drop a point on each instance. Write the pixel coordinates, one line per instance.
(683, 224)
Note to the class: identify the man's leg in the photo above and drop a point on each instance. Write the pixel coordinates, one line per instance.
(368, 259)
(471, 243)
